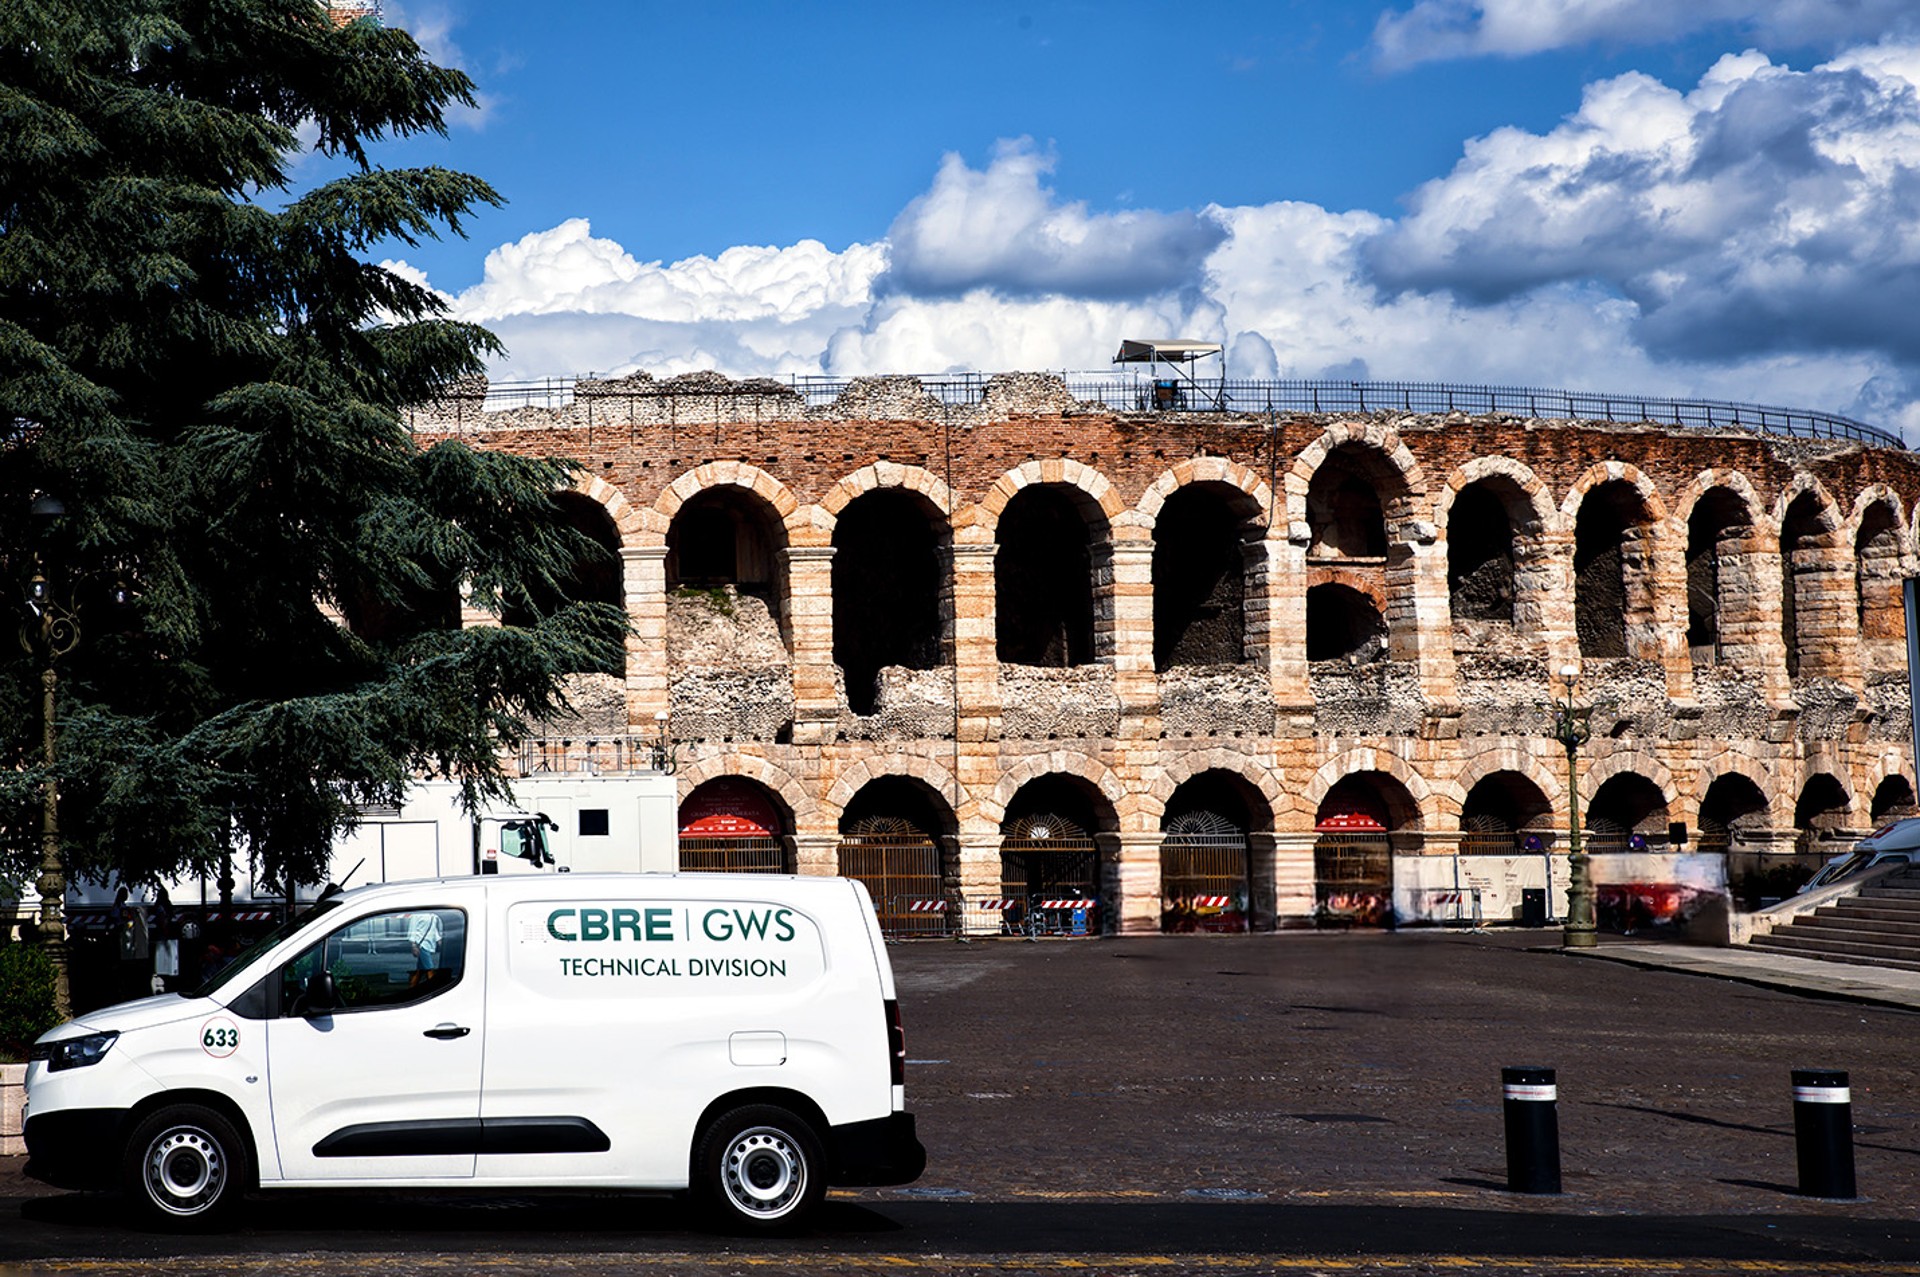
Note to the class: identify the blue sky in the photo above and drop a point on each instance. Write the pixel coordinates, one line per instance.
(1717, 198)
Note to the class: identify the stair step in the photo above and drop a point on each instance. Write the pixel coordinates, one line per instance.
(1854, 920)
(1898, 964)
(1850, 944)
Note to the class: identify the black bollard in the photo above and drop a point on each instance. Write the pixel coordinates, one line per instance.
(1823, 1132)
(1529, 1102)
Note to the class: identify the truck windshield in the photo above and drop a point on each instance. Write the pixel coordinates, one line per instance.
(251, 955)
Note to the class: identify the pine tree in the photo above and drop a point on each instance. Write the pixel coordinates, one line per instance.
(200, 366)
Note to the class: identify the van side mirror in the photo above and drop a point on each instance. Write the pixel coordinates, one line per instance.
(320, 997)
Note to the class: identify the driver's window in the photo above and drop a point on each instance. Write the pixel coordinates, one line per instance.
(387, 959)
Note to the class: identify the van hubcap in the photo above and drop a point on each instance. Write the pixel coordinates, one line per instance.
(765, 1173)
(185, 1170)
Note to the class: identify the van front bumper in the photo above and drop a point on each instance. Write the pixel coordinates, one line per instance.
(883, 1151)
(75, 1148)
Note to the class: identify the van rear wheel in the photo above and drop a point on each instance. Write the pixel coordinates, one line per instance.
(184, 1168)
(760, 1168)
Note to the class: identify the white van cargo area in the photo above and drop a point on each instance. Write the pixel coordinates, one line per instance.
(733, 1034)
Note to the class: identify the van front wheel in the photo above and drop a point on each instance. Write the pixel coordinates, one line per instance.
(185, 1167)
(760, 1168)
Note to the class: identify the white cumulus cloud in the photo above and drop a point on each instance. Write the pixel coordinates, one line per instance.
(1434, 30)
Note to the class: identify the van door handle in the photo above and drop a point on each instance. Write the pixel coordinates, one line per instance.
(447, 1032)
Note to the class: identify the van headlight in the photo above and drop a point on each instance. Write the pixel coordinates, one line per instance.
(73, 1053)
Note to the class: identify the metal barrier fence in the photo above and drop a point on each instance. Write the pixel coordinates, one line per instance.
(1132, 392)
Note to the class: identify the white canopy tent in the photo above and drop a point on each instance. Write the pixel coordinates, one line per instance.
(1179, 354)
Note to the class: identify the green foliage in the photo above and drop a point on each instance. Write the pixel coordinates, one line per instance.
(716, 598)
(205, 369)
(26, 998)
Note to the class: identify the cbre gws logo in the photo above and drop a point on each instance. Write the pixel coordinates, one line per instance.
(657, 923)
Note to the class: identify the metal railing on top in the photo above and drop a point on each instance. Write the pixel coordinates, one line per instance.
(1132, 392)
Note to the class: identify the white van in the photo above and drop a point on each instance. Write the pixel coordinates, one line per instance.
(736, 1034)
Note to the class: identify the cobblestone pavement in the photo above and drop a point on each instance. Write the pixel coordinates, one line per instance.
(1292, 1103)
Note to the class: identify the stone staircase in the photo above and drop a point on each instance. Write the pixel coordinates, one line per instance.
(1878, 927)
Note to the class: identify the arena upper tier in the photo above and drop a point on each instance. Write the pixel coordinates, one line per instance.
(1213, 669)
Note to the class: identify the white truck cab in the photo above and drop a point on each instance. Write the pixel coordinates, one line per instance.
(734, 1034)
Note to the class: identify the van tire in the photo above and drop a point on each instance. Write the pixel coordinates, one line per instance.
(760, 1169)
(184, 1169)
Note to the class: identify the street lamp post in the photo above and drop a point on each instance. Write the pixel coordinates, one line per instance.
(48, 633)
(1572, 728)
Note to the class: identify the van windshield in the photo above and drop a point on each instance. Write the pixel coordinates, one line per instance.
(251, 955)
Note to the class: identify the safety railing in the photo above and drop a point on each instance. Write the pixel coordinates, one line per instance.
(1132, 392)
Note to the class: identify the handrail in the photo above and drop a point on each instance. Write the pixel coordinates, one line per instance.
(1131, 392)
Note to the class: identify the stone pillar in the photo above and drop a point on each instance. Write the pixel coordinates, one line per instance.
(1292, 871)
(1422, 581)
(975, 643)
(1828, 616)
(1130, 881)
(643, 578)
(1558, 626)
(1666, 568)
(1130, 620)
(1261, 913)
(979, 857)
(816, 700)
(816, 854)
(1287, 631)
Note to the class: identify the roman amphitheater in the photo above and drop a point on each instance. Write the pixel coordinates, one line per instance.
(1026, 655)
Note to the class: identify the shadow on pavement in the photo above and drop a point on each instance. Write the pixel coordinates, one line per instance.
(589, 1224)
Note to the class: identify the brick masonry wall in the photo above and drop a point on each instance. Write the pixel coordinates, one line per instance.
(1449, 703)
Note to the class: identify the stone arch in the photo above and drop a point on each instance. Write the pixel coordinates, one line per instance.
(1055, 470)
(1379, 439)
(1265, 780)
(636, 526)
(1747, 768)
(1735, 482)
(720, 474)
(882, 474)
(1203, 470)
(1537, 499)
(1624, 762)
(1451, 796)
(1364, 759)
(1882, 558)
(1725, 538)
(776, 779)
(874, 767)
(1617, 519)
(992, 809)
(1817, 589)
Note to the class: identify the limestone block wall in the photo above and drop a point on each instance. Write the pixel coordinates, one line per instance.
(1442, 722)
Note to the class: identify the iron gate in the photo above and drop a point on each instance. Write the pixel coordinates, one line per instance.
(1205, 874)
(1051, 867)
(1353, 878)
(733, 855)
(900, 866)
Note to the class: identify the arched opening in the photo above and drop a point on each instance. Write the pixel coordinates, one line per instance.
(1612, 555)
(1893, 800)
(1821, 816)
(1202, 576)
(1357, 823)
(734, 825)
(895, 837)
(592, 577)
(1628, 813)
(1502, 810)
(1052, 879)
(1806, 537)
(1344, 509)
(1480, 558)
(1053, 538)
(1882, 614)
(1717, 530)
(1206, 855)
(892, 596)
(1735, 820)
(1344, 624)
(728, 540)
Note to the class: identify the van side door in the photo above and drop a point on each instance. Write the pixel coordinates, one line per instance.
(374, 1058)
